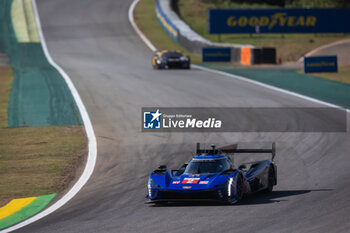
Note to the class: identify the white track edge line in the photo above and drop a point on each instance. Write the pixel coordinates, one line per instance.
(271, 87)
(152, 47)
(92, 144)
(136, 28)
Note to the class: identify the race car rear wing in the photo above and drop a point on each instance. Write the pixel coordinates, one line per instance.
(231, 149)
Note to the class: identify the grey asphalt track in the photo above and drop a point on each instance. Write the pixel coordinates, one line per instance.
(111, 68)
(341, 49)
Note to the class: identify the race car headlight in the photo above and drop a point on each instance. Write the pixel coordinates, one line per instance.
(158, 61)
(229, 187)
(150, 182)
(183, 58)
(149, 186)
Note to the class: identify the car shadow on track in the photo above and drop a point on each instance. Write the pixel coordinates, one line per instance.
(276, 196)
(255, 199)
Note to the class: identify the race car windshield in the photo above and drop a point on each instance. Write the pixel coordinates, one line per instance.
(207, 166)
(173, 55)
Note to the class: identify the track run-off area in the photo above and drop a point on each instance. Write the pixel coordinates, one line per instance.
(110, 66)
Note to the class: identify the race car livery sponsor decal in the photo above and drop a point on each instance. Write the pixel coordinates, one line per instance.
(204, 182)
(176, 182)
(186, 187)
(190, 181)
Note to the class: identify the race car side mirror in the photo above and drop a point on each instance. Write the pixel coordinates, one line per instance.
(229, 171)
(173, 172)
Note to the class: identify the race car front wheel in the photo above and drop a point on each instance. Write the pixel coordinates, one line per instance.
(270, 180)
(239, 188)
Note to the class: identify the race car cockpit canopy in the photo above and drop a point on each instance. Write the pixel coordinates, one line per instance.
(208, 165)
(172, 54)
(232, 149)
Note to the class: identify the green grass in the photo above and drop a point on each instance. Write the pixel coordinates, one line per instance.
(343, 75)
(38, 160)
(146, 20)
(35, 160)
(290, 47)
(6, 78)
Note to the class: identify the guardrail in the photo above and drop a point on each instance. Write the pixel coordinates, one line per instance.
(168, 26)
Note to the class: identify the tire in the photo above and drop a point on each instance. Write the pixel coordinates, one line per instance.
(239, 188)
(270, 180)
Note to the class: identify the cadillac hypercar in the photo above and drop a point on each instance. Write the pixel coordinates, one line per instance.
(211, 176)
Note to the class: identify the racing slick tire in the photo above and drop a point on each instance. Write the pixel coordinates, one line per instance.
(270, 180)
(239, 187)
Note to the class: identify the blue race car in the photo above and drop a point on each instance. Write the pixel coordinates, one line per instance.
(211, 176)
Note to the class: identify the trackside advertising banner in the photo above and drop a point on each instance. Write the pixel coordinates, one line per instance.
(157, 119)
(216, 54)
(320, 64)
(278, 21)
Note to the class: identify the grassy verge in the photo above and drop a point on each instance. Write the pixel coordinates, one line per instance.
(35, 160)
(343, 75)
(6, 77)
(289, 46)
(147, 22)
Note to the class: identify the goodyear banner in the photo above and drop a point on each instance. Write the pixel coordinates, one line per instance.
(216, 54)
(278, 21)
(320, 64)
